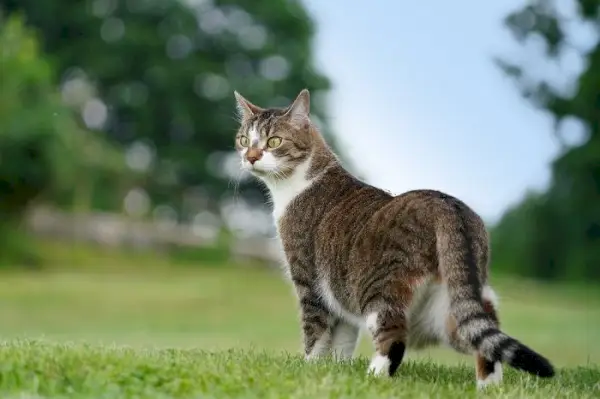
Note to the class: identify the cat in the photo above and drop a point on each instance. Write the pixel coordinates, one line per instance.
(412, 269)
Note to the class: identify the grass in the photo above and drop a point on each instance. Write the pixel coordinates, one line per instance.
(39, 369)
(95, 325)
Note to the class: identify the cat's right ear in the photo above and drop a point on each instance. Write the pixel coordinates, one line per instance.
(245, 108)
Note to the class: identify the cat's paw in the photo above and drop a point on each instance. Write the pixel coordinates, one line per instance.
(493, 379)
(380, 366)
(313, 357)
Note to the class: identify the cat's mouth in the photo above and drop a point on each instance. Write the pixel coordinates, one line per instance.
(272, 174)
(264, 170)
(257, 169)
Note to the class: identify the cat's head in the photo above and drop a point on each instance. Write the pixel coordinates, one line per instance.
(273, 142)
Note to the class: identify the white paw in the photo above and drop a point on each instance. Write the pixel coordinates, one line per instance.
(494, 378)
(380, 366)
(314, 356)
(321, 348)
(343, 354)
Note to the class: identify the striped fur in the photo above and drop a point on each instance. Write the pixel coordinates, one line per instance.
(458, 246)
(411, 269)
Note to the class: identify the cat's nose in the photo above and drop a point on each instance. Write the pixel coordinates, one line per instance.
(253, 155)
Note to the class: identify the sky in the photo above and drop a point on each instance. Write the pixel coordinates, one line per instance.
(417, 101)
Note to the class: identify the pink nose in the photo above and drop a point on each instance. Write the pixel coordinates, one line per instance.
(253, 155)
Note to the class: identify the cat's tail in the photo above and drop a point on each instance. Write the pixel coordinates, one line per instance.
(457, 243)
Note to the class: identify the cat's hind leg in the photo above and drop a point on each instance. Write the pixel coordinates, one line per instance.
(388, 329)
(387, 322)
(486, 372)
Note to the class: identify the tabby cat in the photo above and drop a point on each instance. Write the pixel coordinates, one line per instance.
(411, 268)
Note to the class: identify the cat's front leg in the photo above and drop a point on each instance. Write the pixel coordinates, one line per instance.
(344, 339)
(317, 324)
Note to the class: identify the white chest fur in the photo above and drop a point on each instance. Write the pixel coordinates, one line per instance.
(284, 191)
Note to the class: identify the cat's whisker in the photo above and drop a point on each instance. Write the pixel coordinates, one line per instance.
(236, 186)
(236, 181)
(279, 175)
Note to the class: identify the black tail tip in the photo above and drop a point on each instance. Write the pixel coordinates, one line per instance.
(527, 360)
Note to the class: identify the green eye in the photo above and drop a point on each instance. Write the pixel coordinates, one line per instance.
(244, 141)
(274, 142)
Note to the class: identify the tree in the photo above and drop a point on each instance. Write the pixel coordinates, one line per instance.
(564, 227)
(164, 74)
(42, 149)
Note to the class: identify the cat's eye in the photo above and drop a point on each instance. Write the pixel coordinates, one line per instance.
(274, 142)
(244, 141)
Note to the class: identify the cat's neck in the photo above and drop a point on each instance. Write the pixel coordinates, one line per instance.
(283, 191)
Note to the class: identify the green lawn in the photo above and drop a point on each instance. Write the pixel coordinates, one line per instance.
(224, 331)
(85, 371)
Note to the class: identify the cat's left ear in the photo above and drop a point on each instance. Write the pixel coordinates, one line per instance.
(245, 108)
(298, 113)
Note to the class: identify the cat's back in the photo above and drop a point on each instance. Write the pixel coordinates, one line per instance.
(339, 214)
(371, 222)
(420, 212)
(341, 207)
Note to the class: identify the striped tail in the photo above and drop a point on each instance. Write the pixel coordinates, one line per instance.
(476, 327)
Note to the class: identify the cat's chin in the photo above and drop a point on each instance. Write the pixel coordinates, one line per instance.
(259, 172)
(270, 175)
(265, 173)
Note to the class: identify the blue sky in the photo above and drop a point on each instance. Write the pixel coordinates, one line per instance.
(418, 102)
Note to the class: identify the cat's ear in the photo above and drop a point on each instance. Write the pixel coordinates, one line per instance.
(299, 111)
(245, 108)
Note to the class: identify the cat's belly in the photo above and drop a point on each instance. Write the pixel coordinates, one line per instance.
(336, 308)
(428, 315)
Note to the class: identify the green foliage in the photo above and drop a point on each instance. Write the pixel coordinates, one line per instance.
(167, 70)
(50, 370)
(30, 135)
(43, 152)
(557, 234)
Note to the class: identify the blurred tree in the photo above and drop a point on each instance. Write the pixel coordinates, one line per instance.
(557, 234)
(43, 152)
(164, 74)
